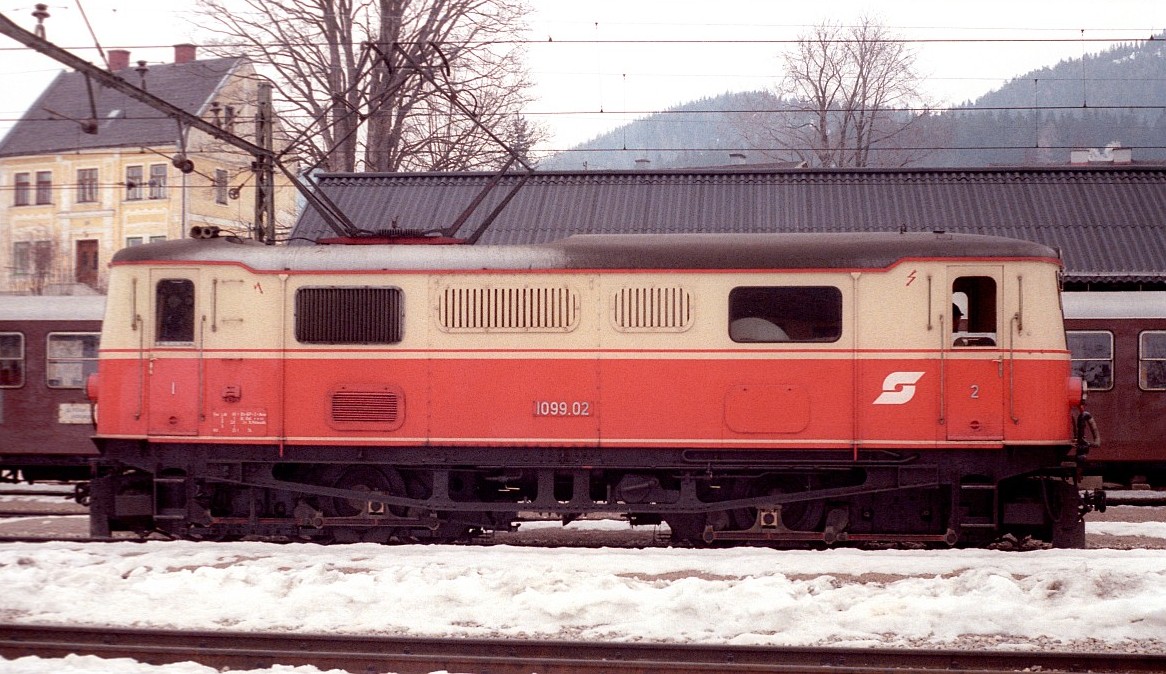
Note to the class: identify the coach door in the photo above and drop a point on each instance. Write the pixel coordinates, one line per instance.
(974, 369)
(173, 366)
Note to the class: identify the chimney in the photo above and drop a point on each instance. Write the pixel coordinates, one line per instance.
(184, 53)
(119, 59)
(643, 164)
(737, 158)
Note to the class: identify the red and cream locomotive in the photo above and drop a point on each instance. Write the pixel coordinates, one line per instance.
(770, 388)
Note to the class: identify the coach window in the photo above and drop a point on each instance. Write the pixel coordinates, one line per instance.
(1092, 354)
(174, 301)
(11, 360)
(1152, 360)
(72, 357)
(785, 314)
(973, 301)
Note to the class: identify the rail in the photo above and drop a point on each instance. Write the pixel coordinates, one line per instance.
(249, 650)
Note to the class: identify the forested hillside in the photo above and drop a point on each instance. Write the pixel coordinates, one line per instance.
(1116, 96)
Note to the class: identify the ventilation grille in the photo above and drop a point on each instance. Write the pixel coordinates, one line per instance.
(652, 309)
(349, 315)
(367, 410)
(513, 309)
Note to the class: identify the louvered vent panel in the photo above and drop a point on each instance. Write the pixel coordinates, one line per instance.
(652, 309)
(508, 309)
(349, 315)
(355, 410)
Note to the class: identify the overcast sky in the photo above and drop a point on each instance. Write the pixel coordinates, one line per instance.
(601, 63)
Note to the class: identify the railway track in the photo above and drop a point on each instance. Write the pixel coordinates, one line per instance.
(1136, 498)
(366, 654)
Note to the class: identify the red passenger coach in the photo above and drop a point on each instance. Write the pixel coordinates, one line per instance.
(48, 346)
(1118, 344)
(781, 389)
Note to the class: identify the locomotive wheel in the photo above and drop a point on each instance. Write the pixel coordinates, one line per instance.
(366, 479)
(687, 528)
(798, 516)
(419, 485)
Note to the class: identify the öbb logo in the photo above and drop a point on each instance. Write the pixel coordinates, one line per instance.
(898, 388)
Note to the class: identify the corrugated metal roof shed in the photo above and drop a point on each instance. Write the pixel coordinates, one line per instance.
(1109, 223)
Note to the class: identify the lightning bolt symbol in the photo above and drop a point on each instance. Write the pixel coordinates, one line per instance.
(911, 277)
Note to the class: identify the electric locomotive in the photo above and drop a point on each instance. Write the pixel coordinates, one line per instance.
(778, 389)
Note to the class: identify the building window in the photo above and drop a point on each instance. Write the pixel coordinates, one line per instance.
(44, 187)
(133, 183)
(132, 241)
(220, 186)
(23, 189)
(86, 185)
(1092, 354)
(11, 360)
(22, 257)
(157, 181)
(156, 239)
(785, 314)
(32, 256)
(71, 358)
(1152, 360)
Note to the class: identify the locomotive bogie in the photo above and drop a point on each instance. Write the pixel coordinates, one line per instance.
(768, 388)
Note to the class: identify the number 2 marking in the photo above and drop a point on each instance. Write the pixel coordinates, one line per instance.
(975, 391)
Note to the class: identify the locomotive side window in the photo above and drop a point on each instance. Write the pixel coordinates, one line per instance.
(174, 318)
(973, 301)
(1092, 354)
(349, 315)
(71, 358)
(1152, 360)
(785, 314)
(11, 360)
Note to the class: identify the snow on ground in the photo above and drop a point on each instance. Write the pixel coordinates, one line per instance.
(88, 664)
(1057, 599)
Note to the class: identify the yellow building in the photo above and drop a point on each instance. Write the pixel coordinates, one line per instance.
(88, 170)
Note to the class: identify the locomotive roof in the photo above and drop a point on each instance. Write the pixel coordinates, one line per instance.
(606, 251)
(52, 307)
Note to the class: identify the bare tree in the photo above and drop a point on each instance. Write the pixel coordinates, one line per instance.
(366, 84)
(856, 91)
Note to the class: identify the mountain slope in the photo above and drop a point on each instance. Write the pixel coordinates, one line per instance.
(1116, 96)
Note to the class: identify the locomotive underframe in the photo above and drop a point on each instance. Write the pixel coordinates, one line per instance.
(705, 496)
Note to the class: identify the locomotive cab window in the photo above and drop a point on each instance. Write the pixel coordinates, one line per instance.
(973, 309)
(1152, 360)
(71, 358)
(785, 314)
(174, 315)
(1092, 354)
(344, 315)
(11, 360)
